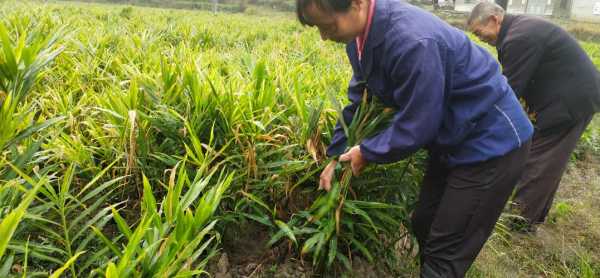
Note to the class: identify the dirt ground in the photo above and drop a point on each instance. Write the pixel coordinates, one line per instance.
(567, 245)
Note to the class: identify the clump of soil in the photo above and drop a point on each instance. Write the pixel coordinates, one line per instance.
(245, 254)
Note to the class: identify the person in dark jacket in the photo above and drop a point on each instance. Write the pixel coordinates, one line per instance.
(560, 86)
(450, 98)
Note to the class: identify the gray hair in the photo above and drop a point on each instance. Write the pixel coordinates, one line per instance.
(483, 11)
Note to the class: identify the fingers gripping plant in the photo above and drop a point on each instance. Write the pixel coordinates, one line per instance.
(338, 224)
(369, 119)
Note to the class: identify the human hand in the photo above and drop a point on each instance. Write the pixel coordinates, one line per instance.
(357, 162)
(327, 176)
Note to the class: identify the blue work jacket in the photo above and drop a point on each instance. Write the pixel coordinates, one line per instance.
(450, 95)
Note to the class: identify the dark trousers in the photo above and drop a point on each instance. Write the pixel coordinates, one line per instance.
(546, 164)
(458, 208)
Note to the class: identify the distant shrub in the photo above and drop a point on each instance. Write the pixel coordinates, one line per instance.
(126, 12)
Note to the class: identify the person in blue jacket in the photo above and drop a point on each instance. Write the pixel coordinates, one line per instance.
(451, 99)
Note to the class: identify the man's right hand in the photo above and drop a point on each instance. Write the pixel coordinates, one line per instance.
(327, 176)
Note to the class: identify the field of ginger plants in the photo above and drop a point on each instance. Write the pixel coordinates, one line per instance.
(138, 142)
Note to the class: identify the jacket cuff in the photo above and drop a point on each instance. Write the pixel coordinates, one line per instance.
(336, 150)
(376, 158)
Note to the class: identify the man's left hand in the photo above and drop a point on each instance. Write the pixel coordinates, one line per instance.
(357, 162)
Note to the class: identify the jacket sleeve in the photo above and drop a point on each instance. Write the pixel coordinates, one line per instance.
(338, 142)
(418, 73)
(520, 59)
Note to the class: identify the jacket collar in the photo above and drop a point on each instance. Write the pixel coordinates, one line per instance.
(379, 27)
(506, 23)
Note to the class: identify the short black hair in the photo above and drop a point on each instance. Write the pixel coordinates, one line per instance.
(325, 5)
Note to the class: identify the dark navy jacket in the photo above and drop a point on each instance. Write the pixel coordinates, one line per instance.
(546, 66)
(449, 93)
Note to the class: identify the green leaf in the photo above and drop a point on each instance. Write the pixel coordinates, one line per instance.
(58, 272)
(9, 55)
(96, 178)
(121, 223)
(149, 201)
(33, 129)
(262, 219)
(257, 200)
(127, 262)
(5, 269)
(10, 222)
(286, 230)
(111, 271)
(311, 242)
(352, 209)
(194, 191)
(107, 242)
(342, 258)
(8, 227)
(362, 249)
(332, 250)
